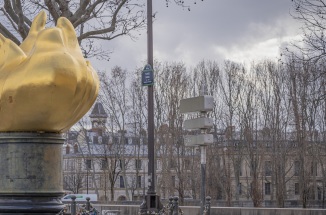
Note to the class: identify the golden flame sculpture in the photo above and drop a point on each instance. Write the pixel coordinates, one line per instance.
(46, 85)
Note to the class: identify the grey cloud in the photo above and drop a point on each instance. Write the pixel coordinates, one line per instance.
(192, 36)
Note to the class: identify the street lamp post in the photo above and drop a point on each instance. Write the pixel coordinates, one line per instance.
(151, 201)
(151, 169)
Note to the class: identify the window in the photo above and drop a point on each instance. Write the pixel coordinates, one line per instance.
(88, 181)
(187, 164)
(79, 164)
(296, 168)
(88, 164)
(70, 164)
(102, 181)
(66, 165)
(104, 164)
(173, 181)
(319, 193)
(65, 182)
(296, 189)
(121, 163)
(137, 164)
(105, 140)
(135, 140)
(115, 140)
(76, 148)
(268, 144)
(313, 171)
(240, 188)
(122, 182)
(173, 164)
(253, 167)
(240, 168)
(268, 188)
(268, 168)
(67, 149)
(158, 164)
(138, 182)
(95, 139)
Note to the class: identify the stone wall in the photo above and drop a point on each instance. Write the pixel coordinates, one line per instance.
(194, 210)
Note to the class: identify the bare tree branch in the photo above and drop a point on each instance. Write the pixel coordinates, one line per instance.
(9, 9)
(53, 9)
(21, 23)
(28, 21)
(87, 13)
(106, 30)
(80, 11)
(93, 19)
(6, 33)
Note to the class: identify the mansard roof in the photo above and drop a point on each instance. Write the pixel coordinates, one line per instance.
(98, 111)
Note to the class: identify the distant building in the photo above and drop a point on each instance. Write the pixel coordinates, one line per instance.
(98, 160)
(256, 169)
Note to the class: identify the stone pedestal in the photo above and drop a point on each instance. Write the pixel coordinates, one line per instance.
(30, 173)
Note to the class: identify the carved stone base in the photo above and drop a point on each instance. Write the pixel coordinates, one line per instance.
(30, 173)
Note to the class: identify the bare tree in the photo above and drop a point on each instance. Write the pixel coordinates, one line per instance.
(169, 121)
(230, 83)
(115, 100)
(73, 177)
(312, 15)
(138, 121)
(93, 20)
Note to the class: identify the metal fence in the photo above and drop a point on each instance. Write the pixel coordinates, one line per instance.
(171, 208)
(75, 209)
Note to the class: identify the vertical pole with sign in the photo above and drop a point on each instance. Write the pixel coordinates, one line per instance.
(201, 104)
(151, 201)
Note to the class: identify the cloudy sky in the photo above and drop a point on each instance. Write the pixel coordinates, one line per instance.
(240, 30)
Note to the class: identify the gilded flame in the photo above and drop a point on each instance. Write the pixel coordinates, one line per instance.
(46, 85)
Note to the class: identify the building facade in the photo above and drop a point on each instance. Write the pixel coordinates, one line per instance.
(260, 170)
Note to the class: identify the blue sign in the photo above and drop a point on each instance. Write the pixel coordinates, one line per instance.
(147, 76)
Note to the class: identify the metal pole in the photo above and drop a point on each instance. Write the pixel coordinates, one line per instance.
(151, 158)
(88, 204)
(208, 205)
(203, 178)
(171, 206)
(73, 205)
(175, 205)
(87, 181)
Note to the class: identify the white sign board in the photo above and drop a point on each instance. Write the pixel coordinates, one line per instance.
(197, 140)
(197, 104)
(198, 123)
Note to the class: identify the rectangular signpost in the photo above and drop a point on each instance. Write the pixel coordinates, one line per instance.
(198, 123)
(197, 104)
(201, 104)
(198, 140)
